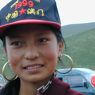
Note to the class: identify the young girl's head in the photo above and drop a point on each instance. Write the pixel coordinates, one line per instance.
(32, 39)
(33, 55)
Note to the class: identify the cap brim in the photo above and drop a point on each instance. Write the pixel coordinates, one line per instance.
(29, 21)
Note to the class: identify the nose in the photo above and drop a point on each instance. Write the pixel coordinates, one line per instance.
(31, 53)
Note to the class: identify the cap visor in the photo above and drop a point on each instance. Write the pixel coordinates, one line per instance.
(29, 21)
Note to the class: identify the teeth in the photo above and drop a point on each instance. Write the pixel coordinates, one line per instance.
(33, 67)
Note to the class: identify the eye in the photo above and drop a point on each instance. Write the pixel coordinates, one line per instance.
(43, 40)
(17, 43)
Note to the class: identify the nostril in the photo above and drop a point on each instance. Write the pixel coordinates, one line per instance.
(33, 54)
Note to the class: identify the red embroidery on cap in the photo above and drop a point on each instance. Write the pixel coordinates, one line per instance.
(24, 3)
(22, 11)
(18, 5)
(31, 4)
(28, 3)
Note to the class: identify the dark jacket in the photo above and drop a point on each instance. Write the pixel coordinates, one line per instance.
(57, 87)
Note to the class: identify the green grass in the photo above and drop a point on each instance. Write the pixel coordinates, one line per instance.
(2, 56)
(82, 49)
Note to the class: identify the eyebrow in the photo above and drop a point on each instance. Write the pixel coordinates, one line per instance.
(14, 36)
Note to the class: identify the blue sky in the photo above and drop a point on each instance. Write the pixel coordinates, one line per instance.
(72, 11)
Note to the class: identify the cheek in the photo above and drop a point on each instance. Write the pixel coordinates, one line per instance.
(51, 61)
(51, 55)
(13, 58)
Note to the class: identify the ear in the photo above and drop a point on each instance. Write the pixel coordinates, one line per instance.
(61, 47)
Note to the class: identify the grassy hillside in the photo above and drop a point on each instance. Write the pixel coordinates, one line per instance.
(2, 56)
(81, 47)
(73, 29)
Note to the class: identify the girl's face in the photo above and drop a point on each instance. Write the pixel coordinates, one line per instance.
(33, 52)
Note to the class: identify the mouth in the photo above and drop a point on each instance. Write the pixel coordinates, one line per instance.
(33, 68)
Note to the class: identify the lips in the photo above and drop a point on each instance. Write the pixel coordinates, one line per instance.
(34, 67)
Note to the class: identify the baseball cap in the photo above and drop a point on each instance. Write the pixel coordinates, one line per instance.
(18, 12)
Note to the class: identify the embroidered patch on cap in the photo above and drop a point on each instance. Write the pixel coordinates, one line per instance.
(20, 9)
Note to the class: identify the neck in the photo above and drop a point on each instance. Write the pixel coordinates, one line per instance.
(29, 88)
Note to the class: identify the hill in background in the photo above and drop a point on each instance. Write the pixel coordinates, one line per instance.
(73, 29)
(80, 43)
(81, 47)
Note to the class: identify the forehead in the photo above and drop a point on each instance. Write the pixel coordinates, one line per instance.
(22, 29)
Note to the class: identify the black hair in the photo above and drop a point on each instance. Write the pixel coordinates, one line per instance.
(11, 88)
